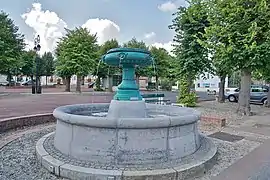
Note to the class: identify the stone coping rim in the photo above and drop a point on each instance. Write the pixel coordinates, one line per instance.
(63, 113)
(25, 116)
(55, 166)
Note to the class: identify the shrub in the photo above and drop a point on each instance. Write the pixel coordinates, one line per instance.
(185, 97)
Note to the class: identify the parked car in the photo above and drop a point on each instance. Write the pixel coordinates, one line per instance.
(6, 83)
(3, 83)
(258, 94)
(28, 83)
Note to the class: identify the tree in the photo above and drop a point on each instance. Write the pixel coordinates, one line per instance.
(192, 58)
(140, 71)
(49, 67)
(189, 25)
(11, 45)
(103, 69)
(242, 30)
(161, 64)
(27, 59)
(76, 54)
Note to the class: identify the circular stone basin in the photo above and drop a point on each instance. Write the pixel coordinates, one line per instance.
(168, 133)
(134, 56)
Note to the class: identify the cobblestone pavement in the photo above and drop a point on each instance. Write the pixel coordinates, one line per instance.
(45, 103)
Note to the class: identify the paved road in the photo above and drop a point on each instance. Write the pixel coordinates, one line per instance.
(19, 105)
(45, 103)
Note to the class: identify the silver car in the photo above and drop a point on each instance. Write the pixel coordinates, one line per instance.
(258, 94)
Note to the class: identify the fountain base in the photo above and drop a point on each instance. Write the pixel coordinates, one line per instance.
(65, 166)
(127, 109)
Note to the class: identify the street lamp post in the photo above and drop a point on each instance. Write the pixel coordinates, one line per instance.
(37, 48)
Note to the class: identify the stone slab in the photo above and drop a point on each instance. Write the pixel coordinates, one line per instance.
(226, 136)
(81, 173)
(159, 174)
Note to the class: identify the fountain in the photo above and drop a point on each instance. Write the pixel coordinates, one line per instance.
(127, 139)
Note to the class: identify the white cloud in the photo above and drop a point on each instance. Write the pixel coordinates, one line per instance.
(51, 27)
(47, 24)
(104, 28)
(168, 46)
(167, 6)
(149, 35)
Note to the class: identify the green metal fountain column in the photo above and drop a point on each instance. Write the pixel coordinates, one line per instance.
(128, 90)
(128, 59)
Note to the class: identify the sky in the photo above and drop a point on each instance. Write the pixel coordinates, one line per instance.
(146, 20)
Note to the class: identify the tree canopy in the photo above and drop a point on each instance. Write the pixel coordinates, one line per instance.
(239, 37)
(189, 24)
(11, 44)
(76, 53)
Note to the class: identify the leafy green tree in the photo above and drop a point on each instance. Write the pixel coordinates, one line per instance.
(161, 64)
(241, 29)
(103, 70)
(11, 45)
(189, 25)
(76, 54)
(192, 60)
(28, 59)
(49, 64)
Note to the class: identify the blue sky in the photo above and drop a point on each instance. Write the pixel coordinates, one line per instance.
(146, 20)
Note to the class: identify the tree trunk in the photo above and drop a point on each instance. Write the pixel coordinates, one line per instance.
(82, 80)
(67, 80)
(109, 79)
(46, 80)
(244, 95)
(78, 84)
(9, 77)
(221, 95)
(157, 83)
(190, 82)
(98, 83)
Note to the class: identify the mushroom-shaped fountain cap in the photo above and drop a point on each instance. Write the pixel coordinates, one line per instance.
(128, 56)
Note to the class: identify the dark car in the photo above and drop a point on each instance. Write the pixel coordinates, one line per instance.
(258, 94)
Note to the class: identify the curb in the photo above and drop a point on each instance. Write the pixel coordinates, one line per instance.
(24, 121)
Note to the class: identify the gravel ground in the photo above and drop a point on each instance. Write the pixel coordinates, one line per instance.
(228, 153)
(18, 159)
(228, 110)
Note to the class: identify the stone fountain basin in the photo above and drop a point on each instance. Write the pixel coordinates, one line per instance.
(169, 133)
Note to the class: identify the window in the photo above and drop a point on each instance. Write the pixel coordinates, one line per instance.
(256, 90)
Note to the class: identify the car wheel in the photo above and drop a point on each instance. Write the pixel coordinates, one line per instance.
(264, 101)
(232, 98)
